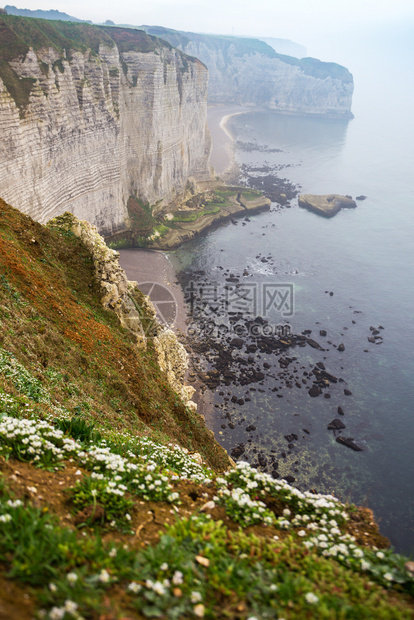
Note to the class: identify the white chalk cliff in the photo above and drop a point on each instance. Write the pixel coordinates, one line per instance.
(82, 129)
(251, 73)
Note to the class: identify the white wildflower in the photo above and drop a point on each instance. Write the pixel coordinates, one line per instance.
(72, 578)
(177, 578)
(311, 598)
(199, 610)
(104, 576)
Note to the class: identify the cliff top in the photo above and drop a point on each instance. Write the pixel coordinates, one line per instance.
(247, 46)
(18, 34)
(102, 511)
(50, 14)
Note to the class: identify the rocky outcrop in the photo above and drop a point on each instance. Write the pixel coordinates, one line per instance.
(251, 73)
(90, 116)
(134, 309)
(326, 205)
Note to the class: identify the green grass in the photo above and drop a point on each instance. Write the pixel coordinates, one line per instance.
(192, 216)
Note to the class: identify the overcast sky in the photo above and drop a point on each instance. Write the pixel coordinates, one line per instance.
(323, 26)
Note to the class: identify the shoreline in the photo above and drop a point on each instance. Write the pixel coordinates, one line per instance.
(222, 157)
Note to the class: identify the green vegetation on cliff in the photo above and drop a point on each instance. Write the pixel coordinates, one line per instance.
(19, 34)
(246, 46)
(114, 499)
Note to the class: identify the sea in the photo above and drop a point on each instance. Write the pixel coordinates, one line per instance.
(347, 276)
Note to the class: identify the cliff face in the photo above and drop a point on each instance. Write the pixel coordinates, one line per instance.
(251, 73)
(90, 116)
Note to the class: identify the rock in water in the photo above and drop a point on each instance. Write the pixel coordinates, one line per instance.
(349, 443)
(336, 425)
(326, 205)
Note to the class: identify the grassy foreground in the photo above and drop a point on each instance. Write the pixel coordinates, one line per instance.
(115, 500)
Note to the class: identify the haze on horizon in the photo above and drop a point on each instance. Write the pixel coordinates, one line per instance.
(329, 30)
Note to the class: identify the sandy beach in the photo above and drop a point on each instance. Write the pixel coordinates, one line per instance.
(153, 267)
(222, 154)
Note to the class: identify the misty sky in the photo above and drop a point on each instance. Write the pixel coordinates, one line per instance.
(325, 27)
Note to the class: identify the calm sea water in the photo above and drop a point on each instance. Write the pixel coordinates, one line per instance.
(365, 256)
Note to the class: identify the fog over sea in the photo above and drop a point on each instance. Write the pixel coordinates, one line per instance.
(365, 256)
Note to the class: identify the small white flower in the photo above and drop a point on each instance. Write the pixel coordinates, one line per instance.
(104, 576)
(196, 597)
(72, 578)
(70, 607)
(5, 518)
(286, 512)
(311, 598)
(113, 552)
(380, 555)
(365, 565)
(177, 578)
(158, 588)
(134, 587)
(56, 613)
(199, 611)
(164, 566)
(128, 517)
(301, 533)
(388, 577)
(52, 587)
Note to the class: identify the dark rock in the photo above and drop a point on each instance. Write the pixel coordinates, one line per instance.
(305, 430)
(347, 392)
(341, 347)
(336, 425)
(314, 344)
(237, 451)
(349, 443)
(321, 365)
(289, 479)
(250, 428)
(237, 343)
(340, 411)
(314, 392)
(291, 437)
(322, 332)
(361, 197)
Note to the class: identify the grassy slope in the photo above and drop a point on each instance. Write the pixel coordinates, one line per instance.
(72, 548)
(53, 323)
